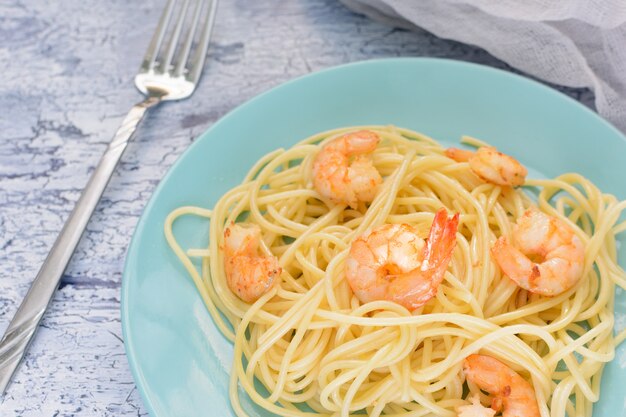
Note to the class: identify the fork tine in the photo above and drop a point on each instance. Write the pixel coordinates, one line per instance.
(157, 38)
(171, 47)
(200, 54)
(184, 54)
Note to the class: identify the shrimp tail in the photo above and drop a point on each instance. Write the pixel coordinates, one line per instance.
(458, 155)
(441, 241)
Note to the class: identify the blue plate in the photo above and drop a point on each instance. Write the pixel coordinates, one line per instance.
(180, 361)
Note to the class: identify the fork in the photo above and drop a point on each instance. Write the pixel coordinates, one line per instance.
(169, 71)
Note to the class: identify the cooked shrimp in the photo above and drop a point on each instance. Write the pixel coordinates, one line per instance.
(249, 275)
(511, 393)
(334, 177)
(491, 166)
(557, 255)
(391, 262)
(476, 409)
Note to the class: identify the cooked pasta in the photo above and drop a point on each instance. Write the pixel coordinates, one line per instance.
(318, 350)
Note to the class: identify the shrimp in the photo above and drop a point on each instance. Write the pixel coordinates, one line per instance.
(511, 393)
(334, 177)
(491, 166)
(249, 275)
(557, 254)
(391, 262)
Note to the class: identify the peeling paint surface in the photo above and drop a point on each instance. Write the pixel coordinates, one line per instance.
(67, 82)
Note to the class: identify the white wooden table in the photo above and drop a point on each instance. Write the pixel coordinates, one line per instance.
(67, 69)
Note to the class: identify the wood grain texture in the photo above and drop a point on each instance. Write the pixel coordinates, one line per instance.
(67, 82)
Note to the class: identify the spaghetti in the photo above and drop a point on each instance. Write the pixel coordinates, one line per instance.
(319, 351)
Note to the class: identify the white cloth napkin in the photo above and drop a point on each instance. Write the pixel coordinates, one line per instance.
(575, 43)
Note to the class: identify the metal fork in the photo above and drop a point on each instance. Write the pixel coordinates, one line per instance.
(169, 71)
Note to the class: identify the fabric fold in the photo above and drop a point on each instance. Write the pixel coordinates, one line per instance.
(574, 43)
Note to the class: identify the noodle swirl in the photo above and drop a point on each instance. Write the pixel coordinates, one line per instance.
(310, 341)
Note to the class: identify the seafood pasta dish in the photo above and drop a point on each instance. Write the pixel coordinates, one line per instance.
(371, 271)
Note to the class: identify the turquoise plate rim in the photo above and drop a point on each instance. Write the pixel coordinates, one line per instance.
(129, 345)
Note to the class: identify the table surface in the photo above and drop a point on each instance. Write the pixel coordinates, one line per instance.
(67, 82)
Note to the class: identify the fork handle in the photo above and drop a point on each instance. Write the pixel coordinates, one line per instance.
(22, 328)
